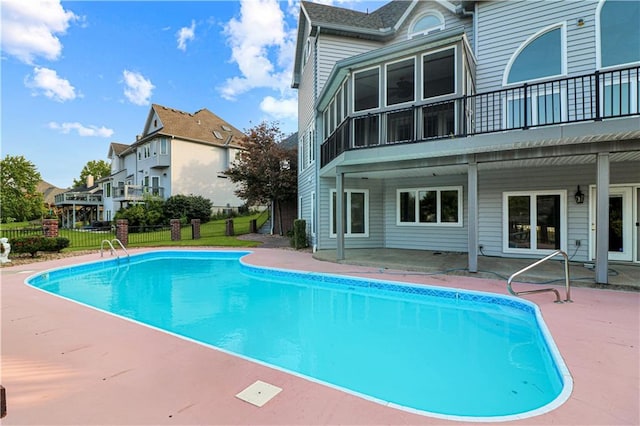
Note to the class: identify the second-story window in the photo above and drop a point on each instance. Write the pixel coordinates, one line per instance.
(429, 22)
(163, 146)
(400, 82)
(438, 73)
(366, 89)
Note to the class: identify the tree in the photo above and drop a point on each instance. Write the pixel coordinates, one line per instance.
(96, 168)
(188, 207)
(265, 171)
(19, 196)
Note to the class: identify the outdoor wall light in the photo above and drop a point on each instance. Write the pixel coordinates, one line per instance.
(580, 22)
(579, 196)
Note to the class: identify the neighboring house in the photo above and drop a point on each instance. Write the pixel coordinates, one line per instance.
(177, 153)
(49, 192)
(498, 128)
(81, 205)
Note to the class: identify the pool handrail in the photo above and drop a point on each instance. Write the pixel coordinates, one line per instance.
(544, 259)
(111, 247)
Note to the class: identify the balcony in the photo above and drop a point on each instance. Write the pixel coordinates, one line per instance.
(78, 198)
(136, 192)
(590, 97)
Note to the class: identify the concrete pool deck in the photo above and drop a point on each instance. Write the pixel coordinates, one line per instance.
(64, 363)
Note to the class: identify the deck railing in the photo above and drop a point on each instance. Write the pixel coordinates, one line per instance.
(590, 97)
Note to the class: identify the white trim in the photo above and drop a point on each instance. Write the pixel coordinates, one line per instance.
(633, 94)
(532, 221)
(347, 206)
(313, 214)
(599, 43)
(353, 88)
(438, 222)
(385, 80)
(626, 191)
(534, 96)
(563, 54)
(455, 72)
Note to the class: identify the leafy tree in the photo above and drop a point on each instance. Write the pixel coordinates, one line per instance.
(187, 207)
(149, 213)
(19, 196)
(96, 168)
(265, 171)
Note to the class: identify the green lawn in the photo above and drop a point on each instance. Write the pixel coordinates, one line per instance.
(212, 234)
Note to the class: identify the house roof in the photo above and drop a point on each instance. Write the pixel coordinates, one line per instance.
(384, 17)
(203, 126)
(49, 191)
(118, 148)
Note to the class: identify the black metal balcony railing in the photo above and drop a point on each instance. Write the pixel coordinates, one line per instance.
(589, 97)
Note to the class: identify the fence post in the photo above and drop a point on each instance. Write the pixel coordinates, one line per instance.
(175, 229)
(195, 229)
(253, 226)
(50, 227)
(229, 228)
(122, 231)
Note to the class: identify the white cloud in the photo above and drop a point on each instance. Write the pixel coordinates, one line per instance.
(30, 28)
(82, 130)
(186, 34)
(261, 46)
(284, 108)
(137, 88)
(46, 80)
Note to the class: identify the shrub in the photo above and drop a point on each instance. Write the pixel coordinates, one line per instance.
(299, 239)
(35, 243)
(189, 207)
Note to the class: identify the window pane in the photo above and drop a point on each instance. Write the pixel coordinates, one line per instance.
(400, 82)
(519, 221)
(449, 206)
(548, 108)
(620, 32)
(339, 107)
(428, 206)
(548, 222)
(438, 120)
(426, 23)
(366, 89)
(542, 57)
(400, 126)
(357, 213)
(407, 207)
(366, 131)
(438, 74)
(616, 210)
(332, 117)
(333, 212)
(616, 99)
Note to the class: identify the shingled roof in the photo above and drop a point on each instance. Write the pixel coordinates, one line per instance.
(202, 126)
(383, 18)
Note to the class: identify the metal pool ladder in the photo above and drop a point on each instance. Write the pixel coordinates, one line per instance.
(566, 278)
(111, 248)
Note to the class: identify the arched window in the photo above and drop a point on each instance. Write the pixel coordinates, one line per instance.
(539, 57)
(431, 21)
(619, 31)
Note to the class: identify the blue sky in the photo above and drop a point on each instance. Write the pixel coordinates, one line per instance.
(78, 75)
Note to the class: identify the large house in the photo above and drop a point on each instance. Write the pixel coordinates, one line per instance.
(497, 128)
(177, 153)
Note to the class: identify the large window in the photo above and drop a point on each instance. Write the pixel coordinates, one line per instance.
(356, 213)
(438, 73)
(366, 131)
(619, 30)
(534, 221)
(400, 126)
(540, 57)
(430, 206)
(400, 82)
(366, 89)
(543, 107)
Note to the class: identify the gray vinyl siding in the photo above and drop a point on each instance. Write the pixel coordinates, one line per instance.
(451, 20)
(446, 238)
(504, 26)
(332, 49)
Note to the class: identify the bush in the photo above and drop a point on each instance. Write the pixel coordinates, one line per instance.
(299, 239)
(35, 243)
(189, 207)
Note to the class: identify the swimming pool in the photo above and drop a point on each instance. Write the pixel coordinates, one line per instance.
(436, 351)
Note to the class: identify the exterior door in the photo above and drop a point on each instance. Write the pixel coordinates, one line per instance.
(621, 223)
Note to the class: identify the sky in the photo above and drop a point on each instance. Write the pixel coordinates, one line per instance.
(78, 75)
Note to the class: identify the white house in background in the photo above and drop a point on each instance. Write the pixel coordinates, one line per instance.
(500, 128)
(177, 153)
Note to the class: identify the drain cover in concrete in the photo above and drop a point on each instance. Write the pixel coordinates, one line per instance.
(259, 393)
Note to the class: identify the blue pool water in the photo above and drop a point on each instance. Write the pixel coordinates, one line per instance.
(440, 351)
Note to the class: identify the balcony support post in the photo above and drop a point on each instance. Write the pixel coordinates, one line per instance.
(472, 183)
(340, 214)
(602, 218)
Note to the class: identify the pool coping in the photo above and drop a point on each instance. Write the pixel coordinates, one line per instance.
(603, 402)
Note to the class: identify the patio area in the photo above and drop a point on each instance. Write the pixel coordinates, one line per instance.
(64, 363)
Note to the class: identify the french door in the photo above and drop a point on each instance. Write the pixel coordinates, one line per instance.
(621, 223)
